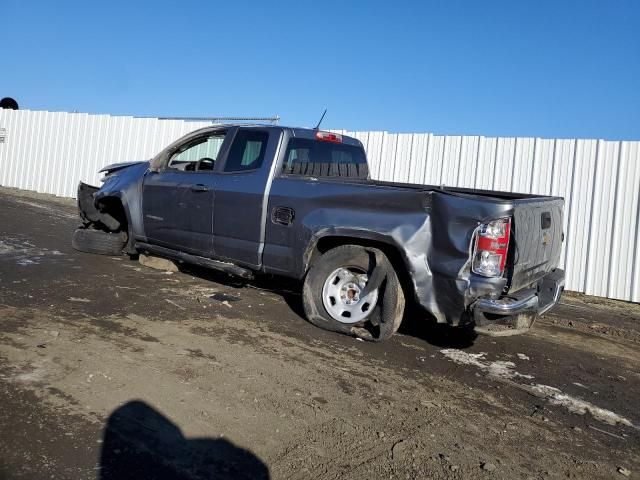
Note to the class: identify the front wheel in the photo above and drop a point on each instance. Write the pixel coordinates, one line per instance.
(97, 241)
(354, 290)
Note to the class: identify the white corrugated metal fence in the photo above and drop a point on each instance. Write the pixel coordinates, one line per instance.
(50, 152)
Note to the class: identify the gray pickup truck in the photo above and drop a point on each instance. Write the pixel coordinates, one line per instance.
(299, 203)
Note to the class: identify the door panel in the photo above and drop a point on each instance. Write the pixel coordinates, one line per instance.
(178, 194)
(240, 192)
(237, 218)
(178, 210)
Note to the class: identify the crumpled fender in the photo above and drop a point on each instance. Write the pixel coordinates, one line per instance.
(87, 209)
(431, 231)
(122, 181)
(125, 184)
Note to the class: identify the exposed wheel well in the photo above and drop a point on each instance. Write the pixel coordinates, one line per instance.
(393, 254)
(112, 206)
(112, 210)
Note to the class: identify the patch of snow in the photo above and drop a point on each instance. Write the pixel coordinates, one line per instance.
(25, 252)
(522, 356)
(51, 210)
(27, 261)
(76, 299)
(499, 368)
(555, 396)
(6, 248)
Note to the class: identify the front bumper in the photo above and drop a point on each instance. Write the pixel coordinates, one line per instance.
(518, 311)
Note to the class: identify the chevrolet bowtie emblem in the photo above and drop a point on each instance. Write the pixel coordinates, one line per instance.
(546, 238)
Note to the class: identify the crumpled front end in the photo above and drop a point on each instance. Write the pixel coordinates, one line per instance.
(89, 213)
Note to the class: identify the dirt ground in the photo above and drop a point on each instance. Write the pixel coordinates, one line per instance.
(109, 369)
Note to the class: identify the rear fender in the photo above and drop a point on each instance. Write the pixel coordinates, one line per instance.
(344, 237)
(387, 244)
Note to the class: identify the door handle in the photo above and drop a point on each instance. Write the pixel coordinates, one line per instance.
(199, 188)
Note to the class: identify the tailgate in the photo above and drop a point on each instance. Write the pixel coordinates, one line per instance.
(537, 231)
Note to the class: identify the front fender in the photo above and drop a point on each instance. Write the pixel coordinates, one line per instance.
(126, 186)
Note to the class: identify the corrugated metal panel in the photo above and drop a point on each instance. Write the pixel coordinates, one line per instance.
(601, 219)
(468, 167)
(51, 151)
(626, 215)
(485, 172)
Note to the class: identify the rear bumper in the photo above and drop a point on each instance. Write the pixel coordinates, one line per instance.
(530, 302)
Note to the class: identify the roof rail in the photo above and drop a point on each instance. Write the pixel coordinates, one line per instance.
(273, 120)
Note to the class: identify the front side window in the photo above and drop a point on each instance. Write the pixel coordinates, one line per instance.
(247, 151)
(198, 155)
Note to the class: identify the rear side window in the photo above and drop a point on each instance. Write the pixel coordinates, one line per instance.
(247, 151)
(324, 159)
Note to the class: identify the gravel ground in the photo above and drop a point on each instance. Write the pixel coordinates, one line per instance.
(109, 369)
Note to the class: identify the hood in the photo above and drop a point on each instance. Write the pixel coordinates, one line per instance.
(114, 167)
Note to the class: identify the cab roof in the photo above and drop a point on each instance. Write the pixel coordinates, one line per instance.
(299, 132)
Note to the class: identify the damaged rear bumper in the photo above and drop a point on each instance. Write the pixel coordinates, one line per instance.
(515, 313)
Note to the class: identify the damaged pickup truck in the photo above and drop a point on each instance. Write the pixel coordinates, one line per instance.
(299, 203)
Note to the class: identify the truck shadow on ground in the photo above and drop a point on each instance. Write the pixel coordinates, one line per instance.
(420, 324)
(416, 322)
(140, 442)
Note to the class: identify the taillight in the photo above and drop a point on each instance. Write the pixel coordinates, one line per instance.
(490, 250)
(329, 137)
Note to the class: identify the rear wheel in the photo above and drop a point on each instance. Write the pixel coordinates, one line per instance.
(354, 290)
(98, 241)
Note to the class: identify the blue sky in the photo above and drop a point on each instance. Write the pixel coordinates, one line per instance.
(510, 68)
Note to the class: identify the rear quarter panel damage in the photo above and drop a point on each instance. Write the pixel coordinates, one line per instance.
(430, 229)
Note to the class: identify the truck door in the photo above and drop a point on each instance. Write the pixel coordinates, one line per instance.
(178, 200)
(241, 191)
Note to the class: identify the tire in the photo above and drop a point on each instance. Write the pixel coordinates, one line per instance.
(380, 320)
(98, 241)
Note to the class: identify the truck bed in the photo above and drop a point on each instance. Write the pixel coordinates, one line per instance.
(534, 252)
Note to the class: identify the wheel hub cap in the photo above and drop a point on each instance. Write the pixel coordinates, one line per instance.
(342, 295)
